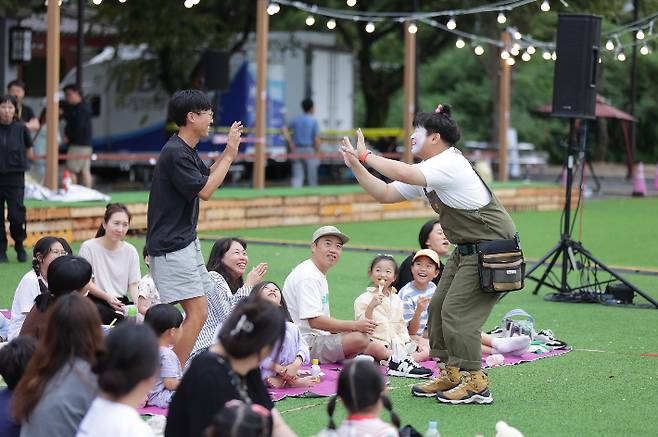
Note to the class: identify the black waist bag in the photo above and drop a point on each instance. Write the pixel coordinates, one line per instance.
(501, 265)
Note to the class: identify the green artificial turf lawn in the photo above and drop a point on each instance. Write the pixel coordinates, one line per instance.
(604, 387)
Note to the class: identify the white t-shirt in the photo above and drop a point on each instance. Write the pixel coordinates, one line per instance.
(114, 270)
(307, 295)
(27, 290)
(453, 179)
(112, 419)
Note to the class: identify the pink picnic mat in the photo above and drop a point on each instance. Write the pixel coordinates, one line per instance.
(152, 411)
(6, 313)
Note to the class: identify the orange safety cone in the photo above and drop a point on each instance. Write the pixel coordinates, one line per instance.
(655, 179)
(639, 183)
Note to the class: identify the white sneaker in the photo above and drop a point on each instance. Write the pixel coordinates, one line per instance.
(408, 368)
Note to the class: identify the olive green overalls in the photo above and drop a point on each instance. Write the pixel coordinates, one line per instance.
(459, 307)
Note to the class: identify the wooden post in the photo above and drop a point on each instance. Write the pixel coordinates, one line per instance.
(262, 24)
(409, 90)
(52, 99)
(503, 111)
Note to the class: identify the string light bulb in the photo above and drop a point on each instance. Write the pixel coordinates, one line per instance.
(460, 43)
(517, 35)
(351, 3)
(478, 50)
(98, 2)
(525, 56)
(510, 61)
(412, 28)
(545, 6)
(452, 24)
(370, 27)
(310, 20)
(273, 8)
(644, 50)
(122, 1)
(621, 57)
(531, 50)
(639, 34)
(554, 56)
(515, 50)
(610, 45)
(188, 3)
(501, 18)
(546, 55)
(331, 24)
(504, 54)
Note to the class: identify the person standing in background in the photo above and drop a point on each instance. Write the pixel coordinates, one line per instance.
(24, 112)
(304, 140)
(77, 135)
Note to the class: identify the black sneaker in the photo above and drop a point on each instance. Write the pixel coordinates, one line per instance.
(21, 255)
(3, 257)
(407, 368)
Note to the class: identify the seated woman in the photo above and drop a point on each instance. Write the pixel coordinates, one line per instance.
(34, 282)
(58, 385)
(226, 266)
(431, 236)
(115, 263)
(230, 370)
(67, 274)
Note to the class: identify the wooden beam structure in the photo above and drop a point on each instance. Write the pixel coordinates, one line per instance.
(52, 96)
(262, 26)
(503, 110)
(409, 89)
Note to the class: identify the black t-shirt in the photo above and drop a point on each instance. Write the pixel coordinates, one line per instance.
(203, 391)
(173, 209)
(78, 124)
(27, 113)
(15, 139)
(405, 276)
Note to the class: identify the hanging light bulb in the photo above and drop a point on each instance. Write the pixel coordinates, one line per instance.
(478, 50)
(517, 35)
(370, 27)
(515, 50)
(501, 18)
(510, 61)
(525, 56)
(331, 24)
(412, 28)
(273, 8)
(554, 56)
(545, 6)
(122, 1)
(351, 3)
(97, 2)
(639, 34)
(188, 3)
(504, 54)
(644, 49)
(531, 50)
(610, 45)
(621, 57)
(452, 24)
(546, 55)
(310, 20)
(460, 43)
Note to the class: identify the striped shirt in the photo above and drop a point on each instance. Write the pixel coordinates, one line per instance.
(409, 295)
(220, 304)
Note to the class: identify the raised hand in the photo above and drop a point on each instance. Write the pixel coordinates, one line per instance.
(233, 142)
(256, 275)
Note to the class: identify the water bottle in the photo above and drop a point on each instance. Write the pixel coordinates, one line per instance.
(315, 369)
(432, 429)
(132, 315)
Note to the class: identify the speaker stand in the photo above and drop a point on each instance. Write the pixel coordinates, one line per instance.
(569, 249)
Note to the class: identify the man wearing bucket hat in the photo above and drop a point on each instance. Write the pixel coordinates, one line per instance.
(306, 292)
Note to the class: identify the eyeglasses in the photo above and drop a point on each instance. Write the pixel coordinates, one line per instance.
(210, 113)
(58, 252)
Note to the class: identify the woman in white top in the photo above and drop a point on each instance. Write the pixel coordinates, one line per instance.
(115, 263)
(126, 373)
(35, 281)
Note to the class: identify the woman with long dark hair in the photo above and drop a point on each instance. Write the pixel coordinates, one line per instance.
(226, 266)
(115, 263)
(35, 282)
(230, 370)
(58, 385)
(15, 153)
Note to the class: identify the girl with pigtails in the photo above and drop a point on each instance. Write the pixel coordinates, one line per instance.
(35, 282)
(361, 390)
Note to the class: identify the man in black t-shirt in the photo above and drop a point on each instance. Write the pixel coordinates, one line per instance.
(179, 180)
(78, 134)
(16, 88)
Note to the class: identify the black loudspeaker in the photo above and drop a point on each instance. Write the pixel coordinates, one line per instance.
(215, 69)
(576, 67)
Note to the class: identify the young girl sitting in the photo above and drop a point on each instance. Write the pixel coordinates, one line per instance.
(147, 294)
(390, 341)
(166, 321)
(126, 372)
(293, 352)
(35, 281)
(238, 419)
(361, 389)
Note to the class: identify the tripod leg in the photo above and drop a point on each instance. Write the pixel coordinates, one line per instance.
(594, 176)
(543, 259)
(558, 249)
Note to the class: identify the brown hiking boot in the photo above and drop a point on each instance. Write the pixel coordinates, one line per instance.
(473, 390)
(446, 380)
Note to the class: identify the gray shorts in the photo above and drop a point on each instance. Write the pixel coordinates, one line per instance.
(181, 275)
(326, 348)
(77, 165)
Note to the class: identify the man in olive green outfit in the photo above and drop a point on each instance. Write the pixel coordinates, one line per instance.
(469, 213)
